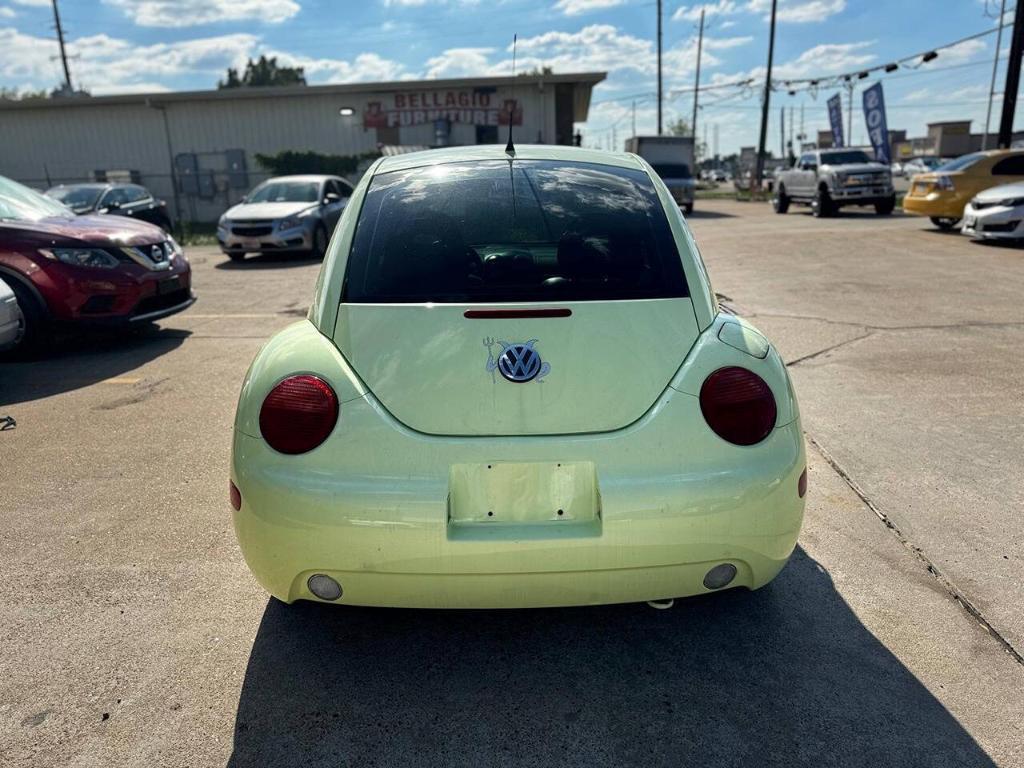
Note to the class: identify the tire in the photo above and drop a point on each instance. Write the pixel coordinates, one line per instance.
(821, 205)
(319, 241)
(780, 201)
(688, 209)
(886, 207)
(236, 255)
(35, 323)
(945, 223)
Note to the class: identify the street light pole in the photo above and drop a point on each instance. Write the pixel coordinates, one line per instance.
(1012, 79)
(759, 166)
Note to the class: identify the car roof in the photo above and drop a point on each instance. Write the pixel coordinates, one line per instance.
(302, 177)
(497, 152)
(84, 185)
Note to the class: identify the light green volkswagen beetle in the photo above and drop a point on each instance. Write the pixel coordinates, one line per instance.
(515, 388)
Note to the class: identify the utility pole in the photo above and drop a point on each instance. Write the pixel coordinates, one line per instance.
(782, 131)
(995, 67)
(634, 117)
(759, 167)
(696, 85)
(63, 53)
(849, 118)
(659, 68)
(716, 146)
(1012, 79)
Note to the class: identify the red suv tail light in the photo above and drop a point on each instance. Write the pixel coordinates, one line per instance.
(298, 414)
(738, 405)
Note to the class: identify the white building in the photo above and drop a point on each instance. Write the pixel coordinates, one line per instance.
(207, 141)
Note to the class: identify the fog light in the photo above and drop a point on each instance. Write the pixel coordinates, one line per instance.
(720, 576)
(327, 588)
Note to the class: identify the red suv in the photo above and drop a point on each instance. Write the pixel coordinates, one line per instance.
(85, 270)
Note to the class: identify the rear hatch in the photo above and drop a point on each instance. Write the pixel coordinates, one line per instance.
(519, 297)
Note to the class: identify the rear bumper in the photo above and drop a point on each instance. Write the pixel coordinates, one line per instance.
(935, 204)
(374, 512)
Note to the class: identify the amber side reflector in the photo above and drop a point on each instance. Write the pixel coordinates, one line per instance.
(801, 484)
(235, 494)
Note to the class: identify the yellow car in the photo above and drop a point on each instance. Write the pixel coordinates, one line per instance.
(942, 194)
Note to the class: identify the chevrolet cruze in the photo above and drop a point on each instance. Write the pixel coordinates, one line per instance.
(515, 388)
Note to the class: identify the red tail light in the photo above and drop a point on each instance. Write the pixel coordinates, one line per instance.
(738, 405)
(298, 414)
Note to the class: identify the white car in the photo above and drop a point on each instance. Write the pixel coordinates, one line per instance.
(11, 324)
(996, 213)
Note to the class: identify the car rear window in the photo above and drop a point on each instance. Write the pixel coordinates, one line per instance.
(516, 230)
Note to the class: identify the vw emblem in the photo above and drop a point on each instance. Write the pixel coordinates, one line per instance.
(158, 253)
(518, 362)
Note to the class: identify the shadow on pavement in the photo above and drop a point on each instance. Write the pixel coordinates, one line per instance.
(79, 360)
(699, 213)
(269, 261)
(781, 677)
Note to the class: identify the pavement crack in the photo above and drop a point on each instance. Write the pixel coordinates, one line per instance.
(883, 328)
(955, 592)
(828, 349)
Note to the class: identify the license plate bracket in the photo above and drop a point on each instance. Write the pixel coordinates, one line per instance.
(168, 285)
(520, 493)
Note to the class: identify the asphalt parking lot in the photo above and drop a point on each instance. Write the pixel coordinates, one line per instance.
(132, 633)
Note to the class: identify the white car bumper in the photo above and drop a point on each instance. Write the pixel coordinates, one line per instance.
(10, 317)
(997, 222)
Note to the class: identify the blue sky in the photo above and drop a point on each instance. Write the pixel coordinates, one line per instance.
(149, 45)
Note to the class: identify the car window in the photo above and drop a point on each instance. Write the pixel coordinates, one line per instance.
(1009, 166)
(962, 163)
(849, 157)
(114, 196)
(80, 198)
(344, 188)
(134, 194)
(672, 170)
(496, 231)
(19, 203)
(806, 160)
(286, 192)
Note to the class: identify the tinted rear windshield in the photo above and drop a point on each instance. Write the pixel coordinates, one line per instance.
(672, 170)
(522, 230)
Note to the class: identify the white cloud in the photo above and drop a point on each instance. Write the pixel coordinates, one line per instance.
(33, 3)
(824, 59)
(188, 13)
(578, 7)
(7, 13)
(460, 62)
(692, 13)
(366, 67)
(962, 52)
(798, 11)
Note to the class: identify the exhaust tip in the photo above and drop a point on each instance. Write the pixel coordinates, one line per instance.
(720, 576)
(324, 586)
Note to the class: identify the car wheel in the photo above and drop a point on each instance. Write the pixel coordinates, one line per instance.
(34, 327)
(780, 201)
(319, 241)
(821, 205)
(944, 223)
(236, 255)
(886, 207)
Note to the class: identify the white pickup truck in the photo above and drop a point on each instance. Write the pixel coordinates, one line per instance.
(828, 179)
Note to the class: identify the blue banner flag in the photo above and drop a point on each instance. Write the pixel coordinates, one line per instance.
(835, 117)
(878, 131)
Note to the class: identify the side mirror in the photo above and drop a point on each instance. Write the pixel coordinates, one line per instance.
(331, 197)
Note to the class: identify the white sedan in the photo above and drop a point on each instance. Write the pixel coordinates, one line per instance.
(10, 317)
(996, 214)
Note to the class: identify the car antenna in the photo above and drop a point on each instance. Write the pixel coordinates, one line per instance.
(510, 148)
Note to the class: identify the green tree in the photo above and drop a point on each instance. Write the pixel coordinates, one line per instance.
(263, 72)
(13, 94)
(679, 128)
(545, 70)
